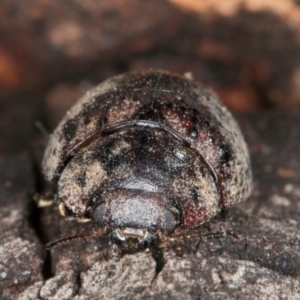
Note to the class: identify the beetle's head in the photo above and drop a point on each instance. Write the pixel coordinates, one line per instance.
(134, 214)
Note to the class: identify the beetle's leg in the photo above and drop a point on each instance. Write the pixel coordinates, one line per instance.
(44, 202)
(65, 212)
(83, 220)
(43, 199)
(62, 209)
(158, 256)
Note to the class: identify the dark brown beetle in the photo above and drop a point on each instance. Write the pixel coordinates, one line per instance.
(146, 153)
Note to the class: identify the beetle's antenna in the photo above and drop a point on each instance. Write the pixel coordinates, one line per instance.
(215, 234)
(184, 237)
(39, 125)
(67, 239)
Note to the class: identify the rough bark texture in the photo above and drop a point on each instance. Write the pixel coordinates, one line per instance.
(20, 249)
(258, 259)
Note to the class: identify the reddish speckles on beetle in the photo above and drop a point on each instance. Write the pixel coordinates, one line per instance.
(145, 153)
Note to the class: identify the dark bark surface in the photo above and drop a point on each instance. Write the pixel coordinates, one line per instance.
(257, 258)
(20, 249)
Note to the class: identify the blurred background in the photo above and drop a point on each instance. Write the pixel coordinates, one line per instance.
(51, 52)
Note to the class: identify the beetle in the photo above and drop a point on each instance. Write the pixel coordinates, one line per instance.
(145, 153)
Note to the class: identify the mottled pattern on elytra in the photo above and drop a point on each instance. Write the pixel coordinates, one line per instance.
(147, 159)
(77, 182)
(57, 142)
(198, 196)
(167, 102)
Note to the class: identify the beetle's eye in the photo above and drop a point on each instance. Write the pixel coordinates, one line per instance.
(170, 221)
(99, 212)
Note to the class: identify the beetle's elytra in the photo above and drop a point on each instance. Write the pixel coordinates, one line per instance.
(148, 152)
